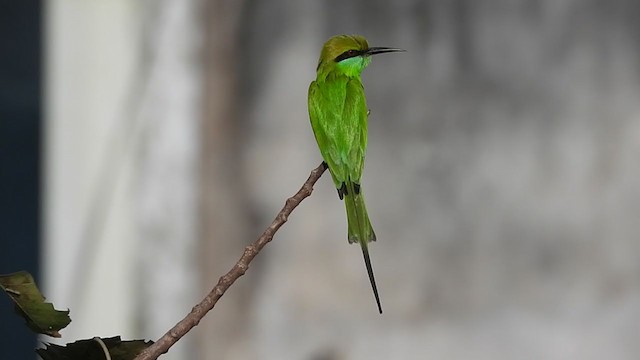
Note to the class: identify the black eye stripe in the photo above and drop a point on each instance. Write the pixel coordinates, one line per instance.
(348, 54)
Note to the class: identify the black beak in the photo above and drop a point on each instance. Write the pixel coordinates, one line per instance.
(381, 50)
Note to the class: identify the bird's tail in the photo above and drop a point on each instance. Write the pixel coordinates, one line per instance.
(360, 230)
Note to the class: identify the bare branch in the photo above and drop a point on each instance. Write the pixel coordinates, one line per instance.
(200, 310)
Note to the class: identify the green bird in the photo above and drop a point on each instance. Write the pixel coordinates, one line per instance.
(338, 112)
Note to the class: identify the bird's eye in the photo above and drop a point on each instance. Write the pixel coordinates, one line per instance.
(347, 54)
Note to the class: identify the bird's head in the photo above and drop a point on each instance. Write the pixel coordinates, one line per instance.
(349, 54)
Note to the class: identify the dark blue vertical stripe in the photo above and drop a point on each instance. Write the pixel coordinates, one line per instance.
(20, 159)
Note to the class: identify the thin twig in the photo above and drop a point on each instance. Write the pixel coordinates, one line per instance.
(199, 311)
(107, 355)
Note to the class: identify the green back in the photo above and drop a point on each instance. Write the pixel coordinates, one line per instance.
(338, 112)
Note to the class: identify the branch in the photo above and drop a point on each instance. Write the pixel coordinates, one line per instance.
(199, 311)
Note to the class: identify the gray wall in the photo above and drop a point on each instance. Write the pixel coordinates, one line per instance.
(500, 178)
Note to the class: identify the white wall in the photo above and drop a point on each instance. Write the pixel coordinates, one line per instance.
(121, 109)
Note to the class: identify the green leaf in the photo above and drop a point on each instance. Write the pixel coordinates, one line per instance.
(41, 317)
(91, 349)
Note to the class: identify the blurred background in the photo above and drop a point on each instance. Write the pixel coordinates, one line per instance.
(153, 140)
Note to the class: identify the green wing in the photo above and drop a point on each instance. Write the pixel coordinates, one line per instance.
(338, 114)
(355, 114)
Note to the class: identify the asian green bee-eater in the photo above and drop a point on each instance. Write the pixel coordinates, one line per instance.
(338, 112)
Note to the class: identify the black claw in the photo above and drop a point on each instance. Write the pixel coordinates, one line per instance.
(356, 188)
(325, 165)
(342, 191)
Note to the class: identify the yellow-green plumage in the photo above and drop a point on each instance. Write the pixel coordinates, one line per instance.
(338, 112)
